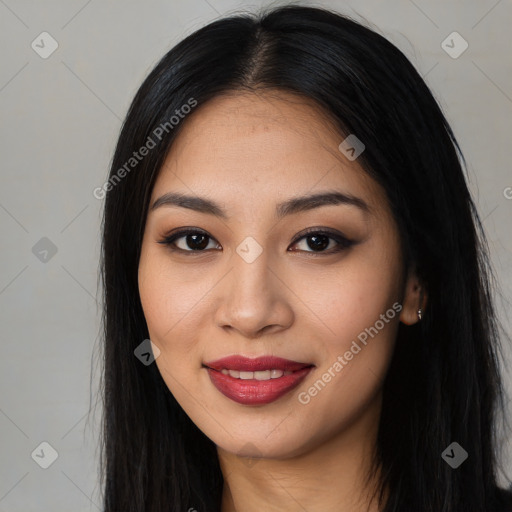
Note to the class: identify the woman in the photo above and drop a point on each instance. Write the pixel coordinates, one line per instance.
(288, 222)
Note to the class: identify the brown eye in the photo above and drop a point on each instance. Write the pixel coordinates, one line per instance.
(188, 241)
(318, 241)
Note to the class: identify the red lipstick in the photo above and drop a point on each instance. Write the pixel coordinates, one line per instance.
(272, 377)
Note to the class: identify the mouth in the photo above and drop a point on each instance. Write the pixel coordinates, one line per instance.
(256, 381)
(263, 363)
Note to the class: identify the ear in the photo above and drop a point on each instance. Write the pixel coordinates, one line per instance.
(415, 298)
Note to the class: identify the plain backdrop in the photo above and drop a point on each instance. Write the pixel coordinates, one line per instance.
(61, 114)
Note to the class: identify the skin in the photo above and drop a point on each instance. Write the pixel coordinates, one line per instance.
(248, 152)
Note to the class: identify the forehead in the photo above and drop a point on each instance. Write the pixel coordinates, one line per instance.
(249, 117)
(270, 145)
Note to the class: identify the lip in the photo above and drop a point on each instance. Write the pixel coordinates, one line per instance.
(245, 364)
(253, 391)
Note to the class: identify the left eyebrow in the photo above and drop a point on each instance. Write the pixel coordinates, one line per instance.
(309, 202)
(288, 207)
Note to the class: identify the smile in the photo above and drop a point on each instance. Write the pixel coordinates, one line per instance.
(260, 375)
(256, 381)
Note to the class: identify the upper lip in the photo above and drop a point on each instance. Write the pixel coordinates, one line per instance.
(245, 364)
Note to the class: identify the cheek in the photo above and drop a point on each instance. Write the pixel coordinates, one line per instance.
(164, 300)
(359, 308)
(173, 300)
(360, 340)
(353, 297)
(169, 301)
(355, 350)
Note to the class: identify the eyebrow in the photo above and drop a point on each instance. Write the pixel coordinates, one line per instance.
(288, 207)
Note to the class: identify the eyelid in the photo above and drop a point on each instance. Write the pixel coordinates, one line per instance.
(169, 239)
(343, 242)
(318, 230)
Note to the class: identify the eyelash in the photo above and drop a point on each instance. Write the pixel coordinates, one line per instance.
(343, 242)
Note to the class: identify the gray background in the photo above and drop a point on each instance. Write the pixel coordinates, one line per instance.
(60, 120)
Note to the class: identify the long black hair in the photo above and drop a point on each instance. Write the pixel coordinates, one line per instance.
(444, 382)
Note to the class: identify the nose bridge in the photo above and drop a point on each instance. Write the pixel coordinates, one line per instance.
(253, 298)
(251, 274)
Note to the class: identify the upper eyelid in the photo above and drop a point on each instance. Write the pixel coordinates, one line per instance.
(180, 233)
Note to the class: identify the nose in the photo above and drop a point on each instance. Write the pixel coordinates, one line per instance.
(254, 298)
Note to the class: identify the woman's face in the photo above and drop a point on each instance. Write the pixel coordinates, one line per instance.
(259, 276)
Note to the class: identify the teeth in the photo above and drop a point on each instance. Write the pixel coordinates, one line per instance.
(259, 375)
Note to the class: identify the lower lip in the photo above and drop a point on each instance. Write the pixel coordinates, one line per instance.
(256, 392)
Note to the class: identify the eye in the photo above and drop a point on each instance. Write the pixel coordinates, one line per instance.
(197, 241)
(321, 239)
(194, 240)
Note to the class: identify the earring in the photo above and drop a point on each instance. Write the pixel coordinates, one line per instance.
(420, 310)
